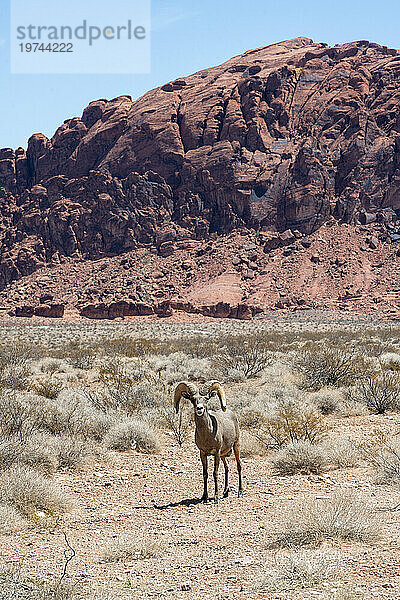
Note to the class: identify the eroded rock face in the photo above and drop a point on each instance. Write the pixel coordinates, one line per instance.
(280, 138)
(123, 308)
(53, 310)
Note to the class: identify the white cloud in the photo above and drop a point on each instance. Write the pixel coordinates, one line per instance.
(168, 13)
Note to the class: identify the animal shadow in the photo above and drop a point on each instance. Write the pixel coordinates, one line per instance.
(184, 502)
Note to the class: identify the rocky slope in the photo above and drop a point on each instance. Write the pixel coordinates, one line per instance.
(267, 147)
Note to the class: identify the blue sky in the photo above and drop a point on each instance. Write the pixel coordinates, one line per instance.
(186, 36)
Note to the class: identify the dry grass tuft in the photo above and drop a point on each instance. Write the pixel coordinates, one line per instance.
(298, 570)
(346, 591)
(129, 547)
(48, 387)
(384, 457)
(31, 493)
(300, 457)
(133, 434)
(328, 400)
(341, 517)
(250, 446)
(14, 586)
(342, 453)
(390, 360)
(10, 520)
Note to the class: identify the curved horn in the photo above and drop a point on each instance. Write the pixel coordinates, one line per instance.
(185, 389)
(215, 386)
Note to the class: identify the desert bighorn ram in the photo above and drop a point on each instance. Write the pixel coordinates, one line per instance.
(217, 432)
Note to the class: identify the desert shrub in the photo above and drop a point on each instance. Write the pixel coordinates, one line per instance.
(71, 452)
(10, 521)
(343, 517)
(178, 366)
(14, 365)
(48, 387)
(328, 400)
(79, 356)
(16, 415)
(291, 421)
(15, 377)
(130, 347)
(242, 357)
(379, 393)
(200, 346)
(162, 392)
(119, 381)
(133, 434)
(79, 416)
(384, 456)
(300, 457)
(45, 453)
(391, 361)
(346, 591)
(14, 586)
(156, 395)
(29, 492)
(250, 446)
(70, 413)
(145, 395)
(328, 366)
(298, 570)
(178, 423)
(34, 452)
(51, 365)
(14, 353)
(342, 453)
(130, 547)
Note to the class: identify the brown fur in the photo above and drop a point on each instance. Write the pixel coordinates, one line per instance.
(217, 432)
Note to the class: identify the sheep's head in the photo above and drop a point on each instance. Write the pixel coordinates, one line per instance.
(199, 399)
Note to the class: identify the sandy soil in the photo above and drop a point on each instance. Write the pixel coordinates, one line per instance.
(211, 551)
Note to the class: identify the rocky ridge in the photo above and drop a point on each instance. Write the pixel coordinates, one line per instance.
(267, 151)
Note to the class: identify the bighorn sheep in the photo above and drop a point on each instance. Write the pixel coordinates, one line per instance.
(217, 432)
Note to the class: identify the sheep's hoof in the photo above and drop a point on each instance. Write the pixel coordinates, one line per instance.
(240, 494)
(217, 500)
(225, 494)
(204, 499)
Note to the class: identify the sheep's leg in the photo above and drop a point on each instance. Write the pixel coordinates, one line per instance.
(226, 488)
(204, 461)
(216, 467)
(236, 449)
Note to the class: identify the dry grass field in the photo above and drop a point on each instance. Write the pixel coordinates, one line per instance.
(100, 480)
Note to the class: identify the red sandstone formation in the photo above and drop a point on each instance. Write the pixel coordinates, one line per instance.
(270, 145)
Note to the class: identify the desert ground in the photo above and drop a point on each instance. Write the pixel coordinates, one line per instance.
(100, 481)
